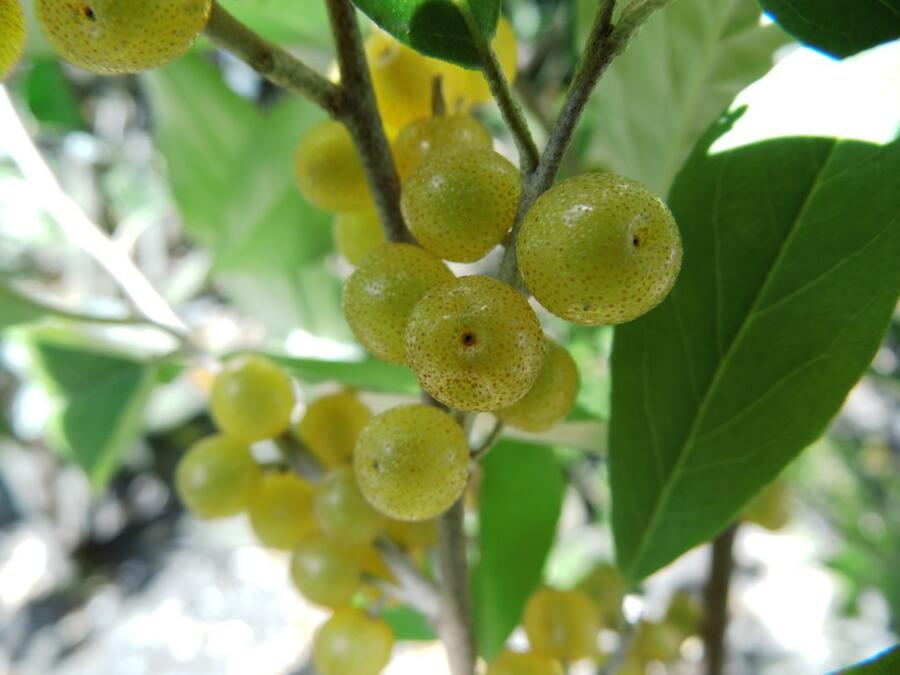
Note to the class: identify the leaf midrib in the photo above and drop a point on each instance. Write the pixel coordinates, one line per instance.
(721, 368)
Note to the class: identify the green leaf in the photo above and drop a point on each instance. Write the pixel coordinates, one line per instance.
(684, 67)
(885, 663)
(408, 624)
(50, 96)
(521, 499)
(435, 27)
(369, 374)
(16, 309)
(101, 397)
(789, 281)
(283, 22)
(836, 28)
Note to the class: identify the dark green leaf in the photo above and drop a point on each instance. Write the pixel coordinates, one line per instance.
(790, 278)
(521, 499)
(370, 374)
(50, 98)
(408, 624)
(840, 27)
(435, 27)
(885, 663)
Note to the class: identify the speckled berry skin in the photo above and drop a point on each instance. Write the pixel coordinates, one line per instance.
(562, 624)
(352, 643)
(524, 663)
(381, 293)
(437, 135)
(251, 398)
(599, 249)
(460, 204)
(342, 512)
(357, 233)
(551, 398)
(412, 462)
(282, 514)
(464, 88)
(217, 477)
(12, 35)
(331, 426)
(325, 572)
(475, 344)
(329, 172)
(111, 36)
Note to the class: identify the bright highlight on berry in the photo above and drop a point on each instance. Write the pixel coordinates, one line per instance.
(12, 35)
(252, 399)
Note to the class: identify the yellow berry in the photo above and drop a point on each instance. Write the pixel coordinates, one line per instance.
(437, 135)
(524, 663)
(111, 36)
(563, 624)
(599, 249)
(325, 572)
(460, 204)
(217, 477)
(464, 88)
(341, 511)
(551, 398)
(329, 172)
(770, 508)
(252, 399)
(282, 515)
(419, 534)
(352, 643)
(606, 588)
(412, 462)
(657, 642)
(331, 426)
(12, 35)
(685, 614)
(382, 291)
(475, 344)
(357, 233)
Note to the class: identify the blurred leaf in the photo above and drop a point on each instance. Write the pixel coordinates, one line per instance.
(833, 27)
(790, 278)
(284, 21)
(684, 67)
(101, 397)
(15, 308)
(408, 624)
(885, 663)
(369, 374)
(521, 499)
(50, 97)
(435, 27)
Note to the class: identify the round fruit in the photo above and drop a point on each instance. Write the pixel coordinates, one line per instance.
(606, 588)
(464, 88)
(599, 249)
(252, 399)
(527, 663)
(657, 641)
(12, 35)
(331, 426)
(356, 234)
(110, 36)
(460, 204)
(552, 396)
(342, 512)
(412, 462)
(282, 515)
(217, 477)
(685, 614)
(351, 642)
(475, 344)
(437, 135)
(563, 624)
(325, 572)
(382, 291)
(329, 172)
(418, 534)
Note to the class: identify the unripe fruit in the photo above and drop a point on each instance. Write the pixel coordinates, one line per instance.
(599, 249)
(437, 135)
(331, 426)
(606, 588)
(563, 624)
(12, 35)
(111, 36)
(351, 643)
(419, 534)
(657, 642)
(412, 462)
(356, 234)
(342, 512)
(464, 88)
(329, 172)
(382, 291)
(552, 396)
(475, 344)
(524, 663)
(460, 204)
(217, 477)
(770, 508)
(325, 572)
(685, 614)
(251, 399)
(282, 514)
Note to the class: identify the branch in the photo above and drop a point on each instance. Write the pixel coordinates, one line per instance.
(360, 115)
(455, 623)
(716, 601)
(270, 61)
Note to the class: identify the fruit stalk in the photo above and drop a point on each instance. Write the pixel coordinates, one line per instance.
(716, 601)
(455, 623)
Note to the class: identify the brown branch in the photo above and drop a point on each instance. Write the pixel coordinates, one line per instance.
(716, 601)
(455, 622)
